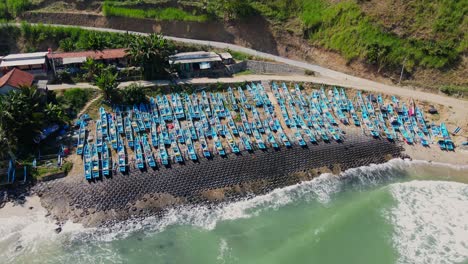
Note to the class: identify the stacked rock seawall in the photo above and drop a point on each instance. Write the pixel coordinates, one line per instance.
(149, 193)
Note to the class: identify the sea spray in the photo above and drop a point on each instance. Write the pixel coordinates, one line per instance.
(430, 221)
(321, 189)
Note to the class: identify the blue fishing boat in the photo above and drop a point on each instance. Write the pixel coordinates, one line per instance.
(98, 136)
(284, 139)
(122, 155)
(311, 136)
(445, 134)
(119, 121)
(232, 143)
(154, 135)
(103, 116)
(112, 133)
(163, 156)
(105, 160)
(247, 143)
(218, 145)
(259, 139)
(94, 161)
(81, 138)
(139, 160)
(129, 132)
(87, 162)
(177, 155)
(423, 139)
(147, 152)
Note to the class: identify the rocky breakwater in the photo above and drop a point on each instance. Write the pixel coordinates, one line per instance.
(147, 193)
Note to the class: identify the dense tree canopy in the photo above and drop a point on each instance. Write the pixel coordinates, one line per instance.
(151, 53)
(24, 114)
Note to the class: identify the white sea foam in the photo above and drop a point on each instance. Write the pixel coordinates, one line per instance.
(35, 232)
(430, 221)
(319, 189)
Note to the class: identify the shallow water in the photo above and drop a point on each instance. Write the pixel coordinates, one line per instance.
(399, 212)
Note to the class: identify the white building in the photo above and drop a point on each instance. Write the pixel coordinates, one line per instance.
(34, 63)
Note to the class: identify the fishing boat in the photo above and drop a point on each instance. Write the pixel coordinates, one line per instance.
(445, 134)
(139, 160)
(259, 139)
(232, 143)
(112, 133)
(154, 135)
(81, 138)
(204, 147)
(87, 162)
(272, 140)
(177, 155)
(105, 160)
(122, 155)
(191, 153)
(119, 121)
(129, 132)
(98, 136)
(218, 145)
(284, 139)
(95, 161)
(148, 153)
(103, 119)
(163, 156)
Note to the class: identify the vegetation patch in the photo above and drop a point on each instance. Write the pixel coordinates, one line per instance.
(169, 13)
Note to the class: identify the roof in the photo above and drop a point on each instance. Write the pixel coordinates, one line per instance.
(21, 59)
(74, 60)
(21, 62)
(96, 55)
(225, 55)
(16, 78)
(22, 56)
(194, 57)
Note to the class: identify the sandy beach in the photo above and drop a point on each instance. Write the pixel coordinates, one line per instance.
(434, 154)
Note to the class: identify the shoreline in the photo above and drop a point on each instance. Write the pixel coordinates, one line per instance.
(459, 157)
(141, 194)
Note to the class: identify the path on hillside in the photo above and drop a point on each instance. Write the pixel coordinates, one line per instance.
(325, 75)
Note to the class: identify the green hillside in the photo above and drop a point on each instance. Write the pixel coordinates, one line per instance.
(419, 34)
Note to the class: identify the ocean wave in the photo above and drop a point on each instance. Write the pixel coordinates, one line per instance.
(430, 221)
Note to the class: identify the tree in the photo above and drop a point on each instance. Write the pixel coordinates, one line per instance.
(107, 82)
(67, 44)
(133, 94)
(92, 68)
(151, 53)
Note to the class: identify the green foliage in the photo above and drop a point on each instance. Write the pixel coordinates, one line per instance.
(106, 81)
(454, 90)
(75, 99)
(92, 69)
(343, 27)
(133, 94)
(13, 8)
(71, 38)
(151, 53)
(25, 113)
(169, 13)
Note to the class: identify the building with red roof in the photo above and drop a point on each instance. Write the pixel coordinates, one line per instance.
(61, 60)
(14, 79)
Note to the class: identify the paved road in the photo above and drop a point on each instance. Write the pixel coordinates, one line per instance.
(325, 75)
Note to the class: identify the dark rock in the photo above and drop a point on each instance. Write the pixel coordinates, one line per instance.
(58, 230)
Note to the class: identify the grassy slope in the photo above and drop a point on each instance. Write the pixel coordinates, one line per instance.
(424, 35)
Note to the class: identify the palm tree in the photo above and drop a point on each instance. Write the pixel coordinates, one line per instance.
(151, 53)
(92, 68)
(107, 82)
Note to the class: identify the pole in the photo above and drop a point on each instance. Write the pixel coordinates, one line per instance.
(402, 70)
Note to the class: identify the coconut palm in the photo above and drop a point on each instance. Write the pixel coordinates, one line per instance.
(151, 53)
(107, 82)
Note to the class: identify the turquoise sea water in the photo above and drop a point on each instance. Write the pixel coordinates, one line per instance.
(399, 212)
